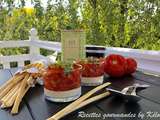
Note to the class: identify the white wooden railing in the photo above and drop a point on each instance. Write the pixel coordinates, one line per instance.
(148, 61)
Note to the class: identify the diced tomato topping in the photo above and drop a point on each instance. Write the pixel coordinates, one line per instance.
(55, 79)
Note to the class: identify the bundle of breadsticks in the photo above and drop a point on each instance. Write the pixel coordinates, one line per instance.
(12, 92)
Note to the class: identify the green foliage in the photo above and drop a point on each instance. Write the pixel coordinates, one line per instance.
(118, 23)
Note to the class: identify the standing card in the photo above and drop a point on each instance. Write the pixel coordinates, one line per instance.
(73, 45)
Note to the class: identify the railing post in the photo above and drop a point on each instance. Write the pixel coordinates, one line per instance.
(34, 51)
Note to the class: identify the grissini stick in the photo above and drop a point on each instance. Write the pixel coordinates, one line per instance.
(9, 87)
(8, 82)
(20, 95)
(5, 91)
(10, 93)
(23, 89)
(31, 80)
(11, 99)
(15, 111)
(14, 81)
(30, 65)
(78, 101)
(3, 106)
(84, 103)
(17, 76)
(10, 102)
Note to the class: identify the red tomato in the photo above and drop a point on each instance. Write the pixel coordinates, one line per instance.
(131, 65)
(115, 65)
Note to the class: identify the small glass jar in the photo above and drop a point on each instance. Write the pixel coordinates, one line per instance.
(61, 85)
(92, 71)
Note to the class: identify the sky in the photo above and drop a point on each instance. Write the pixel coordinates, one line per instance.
(28, 3)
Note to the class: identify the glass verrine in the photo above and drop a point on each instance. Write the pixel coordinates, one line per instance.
(92, 71)
(62, 82)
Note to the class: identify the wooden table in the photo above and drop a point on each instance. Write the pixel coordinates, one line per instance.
(35, 107)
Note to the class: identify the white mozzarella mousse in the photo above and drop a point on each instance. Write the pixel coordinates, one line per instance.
(92, 81)
(62, 96)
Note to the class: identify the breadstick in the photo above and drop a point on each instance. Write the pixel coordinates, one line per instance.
(3, 106)
(14, 111)
(38, 66)
(10, 93)
(11, 98)
(84, 103)
(9, 86)
(30, 80)
(20, 95)
(5, 91)
(7, 83)
(29, 65)
(4, 98)
(78, 101)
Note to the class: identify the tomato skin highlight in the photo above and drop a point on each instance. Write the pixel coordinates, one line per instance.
(115, 65)
(131, 65)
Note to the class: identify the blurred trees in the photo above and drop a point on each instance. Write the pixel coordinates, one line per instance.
(118, 23)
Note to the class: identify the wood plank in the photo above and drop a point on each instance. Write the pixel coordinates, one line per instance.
(23, 111)
(147, 78)
(4, 75)
(149, 93)
(115, 105)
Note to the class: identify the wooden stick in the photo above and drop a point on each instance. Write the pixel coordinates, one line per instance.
(84, 103)
(20, 95)
(78, 101)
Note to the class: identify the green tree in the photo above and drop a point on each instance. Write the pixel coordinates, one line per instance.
(117, 23)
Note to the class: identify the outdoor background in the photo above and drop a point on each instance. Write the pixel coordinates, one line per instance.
(117, 23)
